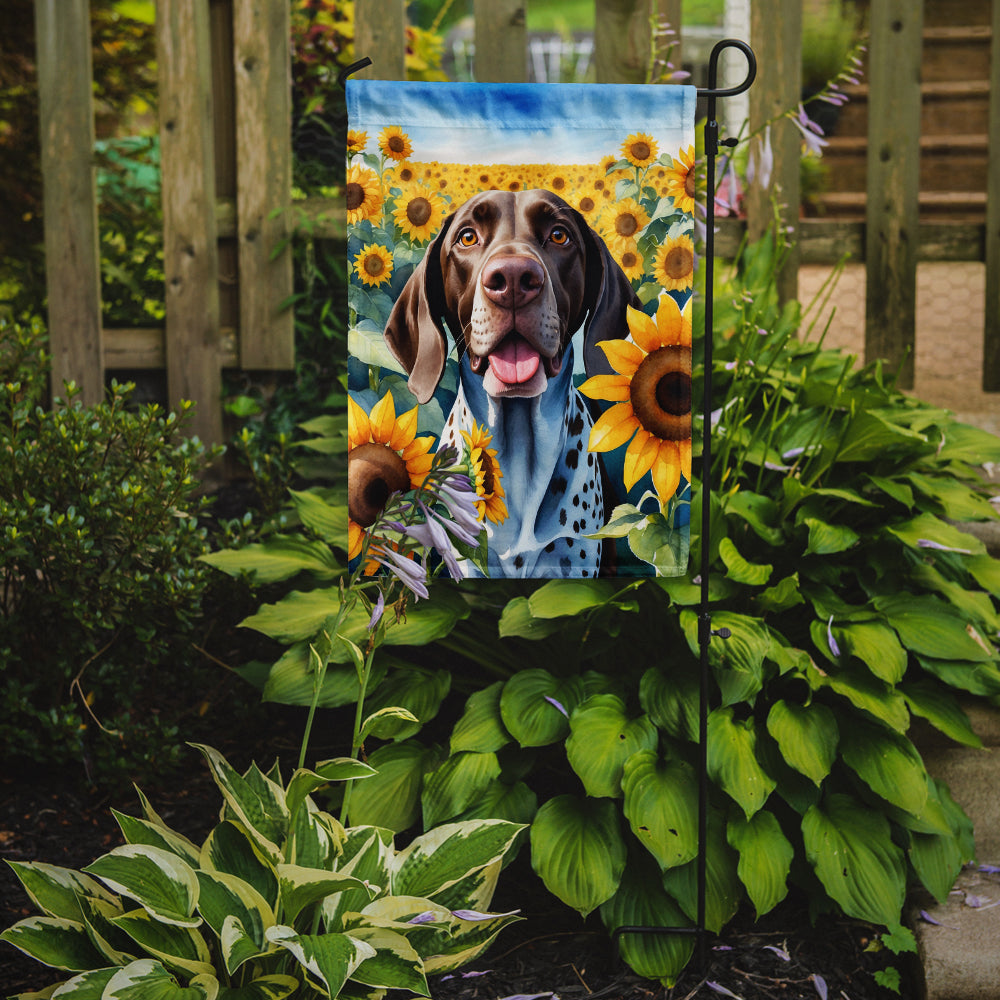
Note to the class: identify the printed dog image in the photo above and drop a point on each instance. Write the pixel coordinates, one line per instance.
(534, 317)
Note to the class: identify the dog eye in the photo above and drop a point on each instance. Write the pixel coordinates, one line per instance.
(468, 237)
(559, 236)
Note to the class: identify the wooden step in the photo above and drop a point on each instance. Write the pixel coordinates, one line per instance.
(940, 13)
(945, 106)
(956, 53)
(957, 206)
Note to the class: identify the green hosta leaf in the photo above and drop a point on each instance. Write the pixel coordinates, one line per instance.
(738, 661)
(738, 569)
(765, 858)
(301, 887)
(395, 964)
(937, 859)
(641, 901)
(481, 728)
(388, 723)
(297, 616)
(516, 803)
(418, 691)
(225, 897)
(723, 889)
(230, 849)
(783, 595)
(760, 512)
(578, 851)
(330, 959)
(732, 760)
(888, 763)
(275, 987)
(180, 948)
(661, 800)
(56, 891)
(147, 979)
(602, 738)
(260, 809)
(279, 558)
(941, 709)
(304, 782)
(391, 798)
(54, 941)
(671, 701)
(958, 502)
(327, 520)
(927, 528)
(850, 848)
(560, 598)
(456, 784)
(425, 622)
(876, 646)
(986, 572)
(517, 620)
(931, 628)
(141, 831)
(535, 706)
(975, 605)
(292, 680)
(438, 859)
(976, 678)
(159, 881)
(866, 692)
(870, 436)
(807, 736)
(828, 539)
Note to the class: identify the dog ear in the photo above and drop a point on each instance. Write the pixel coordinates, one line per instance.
(608, 293)
(415, 330)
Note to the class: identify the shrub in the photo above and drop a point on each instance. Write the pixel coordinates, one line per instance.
(99, 546)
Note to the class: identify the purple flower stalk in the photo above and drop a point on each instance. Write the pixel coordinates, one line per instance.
(811, 132)
(408, 571)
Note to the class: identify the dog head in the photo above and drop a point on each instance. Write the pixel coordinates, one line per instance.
(513, 275)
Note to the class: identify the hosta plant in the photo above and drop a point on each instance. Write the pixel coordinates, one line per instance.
(279, 900)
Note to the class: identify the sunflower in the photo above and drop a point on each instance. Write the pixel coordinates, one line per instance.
(400, 173)
(419, 212)
(651, 392)
(487, 474)
(384, 457)
(394, 143)
(363, 193)
(622, 221)
(680, 180)
(626, 253)
(374, 264)
(674, 265)
(640, 150)
(356, 141)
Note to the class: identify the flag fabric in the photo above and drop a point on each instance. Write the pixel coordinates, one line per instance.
(520, 265)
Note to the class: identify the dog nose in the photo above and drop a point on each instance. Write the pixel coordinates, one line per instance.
(512, 281)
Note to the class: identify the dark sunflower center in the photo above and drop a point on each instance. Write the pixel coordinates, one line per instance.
(489, 480)
(586, 204)
(396, 144)
(689, 183)
(374, 265)
(640, 150)
(418, 211)
(558, 183)
(626, 224)
(355, 196)
(679, 262)
(374, 473)
(406, 174)
(660, 393)
(629, 259)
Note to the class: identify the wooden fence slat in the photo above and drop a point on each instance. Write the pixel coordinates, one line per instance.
(261, 57)
(501, 37)
(190, 251)
(380, 34)
(776, 36)
(621, 40)
(72, 255)
(991, 332)
(892, 215)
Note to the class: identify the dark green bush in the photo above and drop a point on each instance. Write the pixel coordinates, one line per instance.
(100, 587)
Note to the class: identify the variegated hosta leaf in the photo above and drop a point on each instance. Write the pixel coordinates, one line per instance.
(275, 987)
(158, 880)
(328, 959)
(304, 782)
(230, 849)
(642, 902)
(807, 736)
(732, 760)
(888, 763)
(481, 727)
(149, 980)
(301, 887)
(661, 805)
(475, 891)
(850, 847)
(56, 891)
(469, 938)
(367, 853)
(54, 941)
(141, 831)
(456, 784)
(315, 838)
(441, 857)
(602, 738)
(578, 851)
(765, 858)
(225, 897)
(116, 946)
(177, 947)
(395, 964)
(87, 986)
(256, 801)
(535, 706)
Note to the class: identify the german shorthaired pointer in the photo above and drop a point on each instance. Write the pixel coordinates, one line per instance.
(513, 275)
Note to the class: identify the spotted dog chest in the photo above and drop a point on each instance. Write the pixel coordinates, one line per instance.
(552, 482)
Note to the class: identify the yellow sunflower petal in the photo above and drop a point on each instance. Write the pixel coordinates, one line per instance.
(358, 427)
(383, 419)
(666, 470)
(684, 447)
(613, 428)
(624, 357)
(639, 457)
(643, 329)
(355, 539)
(404, 431)
(613, 388)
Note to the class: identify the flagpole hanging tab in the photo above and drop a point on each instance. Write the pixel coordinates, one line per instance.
(349, 70)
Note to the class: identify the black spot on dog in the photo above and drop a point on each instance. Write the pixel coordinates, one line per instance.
(559, 484)
(572, 458)
(576, 425)
(569, 542)
(518, 561)
(551, 547)
(562, 518)
(576, 501)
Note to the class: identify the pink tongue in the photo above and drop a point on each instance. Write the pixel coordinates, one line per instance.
(514, 361)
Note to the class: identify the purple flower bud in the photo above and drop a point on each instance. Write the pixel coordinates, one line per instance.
(558, 705)
(377, 612)
(834, 648)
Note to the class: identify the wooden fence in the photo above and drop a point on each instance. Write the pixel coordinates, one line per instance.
(226, 161)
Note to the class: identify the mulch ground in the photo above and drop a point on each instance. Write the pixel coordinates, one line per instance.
(551, 953)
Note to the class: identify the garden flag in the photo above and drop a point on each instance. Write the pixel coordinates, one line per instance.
(520, 263)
